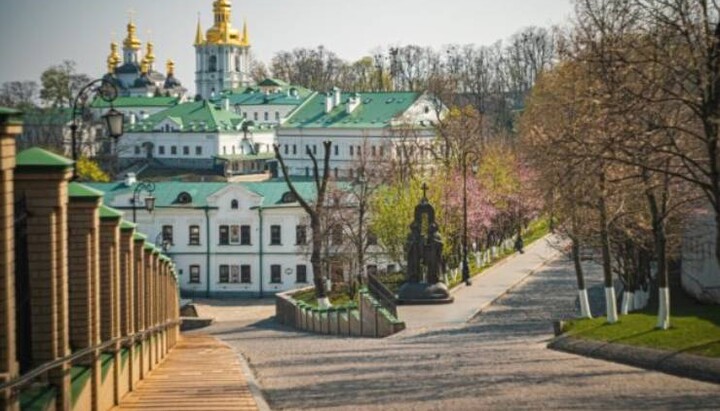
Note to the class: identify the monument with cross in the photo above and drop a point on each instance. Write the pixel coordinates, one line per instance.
(425, 265)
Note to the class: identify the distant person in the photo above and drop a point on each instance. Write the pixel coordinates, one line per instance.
(519, 244)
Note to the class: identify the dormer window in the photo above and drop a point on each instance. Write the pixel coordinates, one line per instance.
(289, 197)
(234, 204)
(184, 198)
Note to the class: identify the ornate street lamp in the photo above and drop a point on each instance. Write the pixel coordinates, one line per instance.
(465, 266)
(149, 200)
(108, 92)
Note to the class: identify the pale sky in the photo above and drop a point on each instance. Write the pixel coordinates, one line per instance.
(35, 34)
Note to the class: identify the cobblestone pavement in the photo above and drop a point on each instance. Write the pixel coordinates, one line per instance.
(498, 361)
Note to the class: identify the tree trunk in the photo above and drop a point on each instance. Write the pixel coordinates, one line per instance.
(316, 262)
(610, 301)
(660, 240)
(582, 291)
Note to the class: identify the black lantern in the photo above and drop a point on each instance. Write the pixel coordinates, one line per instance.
(114, 122)
(150, 203)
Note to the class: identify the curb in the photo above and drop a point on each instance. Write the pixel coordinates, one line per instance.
(679, 364)
(252, 383)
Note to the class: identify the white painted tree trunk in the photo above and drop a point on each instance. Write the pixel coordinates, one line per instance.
(628, 303)
(584, 304)
(324, 302)
(664, 309)
(611, 305)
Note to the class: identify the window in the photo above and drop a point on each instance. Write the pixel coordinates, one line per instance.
(245, 274)
(337, 235)
(173, 150)
(224, 273)
(167, 234)
(359, 151)
(161, 149)
(212, 63)
(224, 235)
(337, 149)
(336, 172)
(184, 198)
(137, 149)
(275, 275)
(391, 268)
(350, 173)
(352, 151)
(245, 234)
(255, 116)
(234, 273)
(234, 234)
(194, 235)
(195, 274)
(277, 116)
(266, 116)
(288, 197)
(198, 150)
(301, 273)
(294, 149)
(275, 238)
(234, 204)
(371, 269)
(301, 234)
(287, 149)
(382, 151)
(307, 171)
(186, 150)
(372, 238)
(314, 149)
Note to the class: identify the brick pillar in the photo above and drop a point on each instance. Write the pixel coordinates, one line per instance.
(139, 294)
(110, 286)
(41, 178)
(148, 301)
(156, 301)
(84, 276)
(127, 287)
(10, 127)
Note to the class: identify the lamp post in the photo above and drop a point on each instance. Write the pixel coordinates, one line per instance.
(149, 187)
(161, 242)
(113, 119)
(362, 183)
(465, 266)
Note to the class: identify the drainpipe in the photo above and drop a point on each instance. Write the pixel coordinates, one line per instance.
(260, 250)
(207, 251)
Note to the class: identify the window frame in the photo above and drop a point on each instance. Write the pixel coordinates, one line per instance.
(196, 274)
(275, 234)
(224, 271)
(245, 231)
(243, 268)
(298, 269)
(194, 237)
(275, 274)
(224, 234)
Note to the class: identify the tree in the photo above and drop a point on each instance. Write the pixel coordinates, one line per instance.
(21, 95)
(89, 170)
(317, 212)
(60, 84)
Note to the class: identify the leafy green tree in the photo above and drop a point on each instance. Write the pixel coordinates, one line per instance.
(89, 170)
(60, 84)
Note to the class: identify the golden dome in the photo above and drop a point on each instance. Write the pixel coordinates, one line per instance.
(222, 31)
(170, 68)
(131, 41)
(149, 54)
(113, 58)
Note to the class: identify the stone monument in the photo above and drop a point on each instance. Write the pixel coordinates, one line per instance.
(425, 266)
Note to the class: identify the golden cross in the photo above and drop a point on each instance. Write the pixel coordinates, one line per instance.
(131, 13)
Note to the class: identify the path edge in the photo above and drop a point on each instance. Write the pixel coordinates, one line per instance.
(695, 367)
(252, 382)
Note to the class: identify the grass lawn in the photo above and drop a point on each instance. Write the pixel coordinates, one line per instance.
(337, 297)
(695, 328)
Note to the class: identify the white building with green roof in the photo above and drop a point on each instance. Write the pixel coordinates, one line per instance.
(375, 126)
(226, 239)
(191, 136)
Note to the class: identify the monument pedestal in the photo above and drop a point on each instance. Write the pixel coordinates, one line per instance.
(424, 293)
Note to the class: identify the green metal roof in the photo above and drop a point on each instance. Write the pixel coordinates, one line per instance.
(109, 213)
(81, 191)
(127, 225)
(166, 192)
(10, 116)
(247, 157)
(376, 110)
(254, 96)
(198, 116)
(37, 157)
(139, 236)
(139, 101)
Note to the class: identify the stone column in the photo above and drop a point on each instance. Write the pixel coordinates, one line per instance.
(127, 287)
(42, 181)
(110, 286)
(84, 276)
(10, 127)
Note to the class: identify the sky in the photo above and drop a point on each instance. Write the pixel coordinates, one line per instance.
(35, 34)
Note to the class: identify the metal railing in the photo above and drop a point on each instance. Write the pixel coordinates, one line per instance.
(382, 294)
(42, 369)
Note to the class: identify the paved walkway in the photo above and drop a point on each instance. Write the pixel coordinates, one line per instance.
(200, 374)
(485, 289)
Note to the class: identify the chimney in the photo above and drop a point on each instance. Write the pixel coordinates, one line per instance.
(337, 96)
(130, 179)
(226, 104)
(328, 102)
(353, 103)
(132, 118)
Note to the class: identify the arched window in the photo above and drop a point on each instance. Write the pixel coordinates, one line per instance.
(184, 198)
(212, 63)
(289, 197)
(234, 204)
